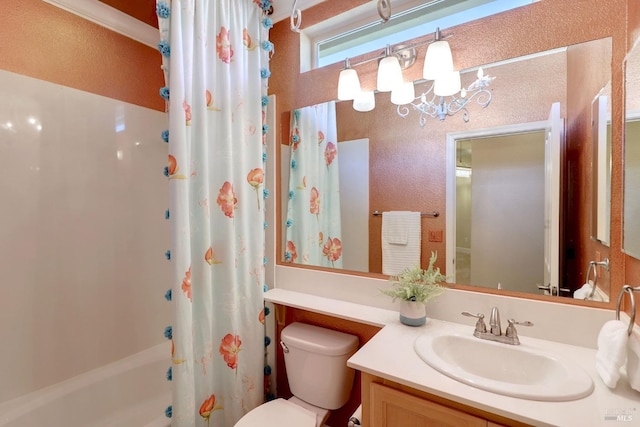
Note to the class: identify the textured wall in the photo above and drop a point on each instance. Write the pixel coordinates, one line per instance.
(42, 41)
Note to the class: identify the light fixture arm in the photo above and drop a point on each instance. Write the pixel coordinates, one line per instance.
(398, 49)
(436, 35)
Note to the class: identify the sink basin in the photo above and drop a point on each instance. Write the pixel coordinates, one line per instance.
(516, 371)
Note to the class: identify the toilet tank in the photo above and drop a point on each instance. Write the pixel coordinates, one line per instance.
(316, 362)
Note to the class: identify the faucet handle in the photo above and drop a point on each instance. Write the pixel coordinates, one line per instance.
(480, 325)
(511, 329)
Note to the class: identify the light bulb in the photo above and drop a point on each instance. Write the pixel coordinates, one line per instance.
(365, 101)
(447, 84)
(348, 84)
(437, 61)
(403, 94)
(389, 74)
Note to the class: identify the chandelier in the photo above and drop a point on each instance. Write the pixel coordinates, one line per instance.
(433, 103)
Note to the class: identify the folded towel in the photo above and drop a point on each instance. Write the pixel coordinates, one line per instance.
(633, 360)
(397, 257)
(612, 351)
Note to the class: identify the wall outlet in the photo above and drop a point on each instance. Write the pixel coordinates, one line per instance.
(435, 235)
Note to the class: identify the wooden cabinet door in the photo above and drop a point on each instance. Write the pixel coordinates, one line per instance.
(395, 408)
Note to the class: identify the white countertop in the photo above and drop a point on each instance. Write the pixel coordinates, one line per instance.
(390, 354)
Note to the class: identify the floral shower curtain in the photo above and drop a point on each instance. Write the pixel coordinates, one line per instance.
(215, 58)
(313, 212)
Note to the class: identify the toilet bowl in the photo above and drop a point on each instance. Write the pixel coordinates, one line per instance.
(318, 375)
(280, 413)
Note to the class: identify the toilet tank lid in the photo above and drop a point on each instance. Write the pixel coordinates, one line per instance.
(318, 340)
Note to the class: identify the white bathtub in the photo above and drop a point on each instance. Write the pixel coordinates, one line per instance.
(132, 392)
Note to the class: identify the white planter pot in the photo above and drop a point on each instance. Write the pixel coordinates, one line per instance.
(413, 313)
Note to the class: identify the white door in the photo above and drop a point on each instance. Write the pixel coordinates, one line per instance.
(552, 200)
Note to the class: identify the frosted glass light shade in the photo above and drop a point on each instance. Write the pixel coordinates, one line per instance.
(365, 101)
(447, 84)
(389, 74)
(403, 94)
(438, 60)
(348, 84)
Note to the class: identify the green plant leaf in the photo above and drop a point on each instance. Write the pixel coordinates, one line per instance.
(416, 284)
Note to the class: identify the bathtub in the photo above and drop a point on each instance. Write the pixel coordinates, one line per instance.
(132, 392)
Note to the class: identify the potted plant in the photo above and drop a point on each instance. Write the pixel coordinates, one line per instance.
(414, 287)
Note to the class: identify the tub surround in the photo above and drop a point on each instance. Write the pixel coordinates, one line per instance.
(131, 392)
(83, 263)
(389, 355)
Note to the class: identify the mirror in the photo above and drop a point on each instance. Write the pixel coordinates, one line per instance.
(407, 164)
(631, 233)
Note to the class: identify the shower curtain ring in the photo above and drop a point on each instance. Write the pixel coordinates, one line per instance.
(384, 10)
(296, 17)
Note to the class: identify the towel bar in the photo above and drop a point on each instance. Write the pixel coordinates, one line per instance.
(630, 290)
(433, 214)
(593, 266)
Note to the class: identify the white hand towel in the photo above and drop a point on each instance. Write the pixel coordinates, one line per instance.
(612, 351)
(633, 360)
(585, 291)
(397, 257)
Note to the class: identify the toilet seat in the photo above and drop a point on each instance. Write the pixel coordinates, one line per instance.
(278, 413)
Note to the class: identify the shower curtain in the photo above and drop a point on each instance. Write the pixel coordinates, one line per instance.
(314, 233)
(215, 59)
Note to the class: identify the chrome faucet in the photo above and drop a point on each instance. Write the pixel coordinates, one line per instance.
(494, 322)
(495, 332)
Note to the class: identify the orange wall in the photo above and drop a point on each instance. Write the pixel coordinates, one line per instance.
(45, 42)
(540, 26)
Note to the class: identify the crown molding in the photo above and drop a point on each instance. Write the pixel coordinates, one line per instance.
(113, 19)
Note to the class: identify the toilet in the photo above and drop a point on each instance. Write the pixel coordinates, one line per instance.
(319, 379)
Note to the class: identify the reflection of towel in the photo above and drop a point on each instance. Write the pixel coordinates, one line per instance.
(585, 290)
(395, 227)
(612, 351)
(401, 236)
(633, 360)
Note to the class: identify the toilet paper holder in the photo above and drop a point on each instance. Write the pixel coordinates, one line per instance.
(354, 420)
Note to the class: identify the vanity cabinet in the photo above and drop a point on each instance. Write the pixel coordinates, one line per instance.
(388, 404)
